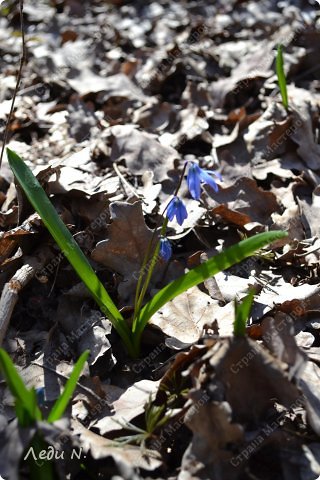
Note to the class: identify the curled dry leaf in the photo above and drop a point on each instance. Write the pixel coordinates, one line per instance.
(250, 378)
(237, 385)
(302, 297)
(310, 386)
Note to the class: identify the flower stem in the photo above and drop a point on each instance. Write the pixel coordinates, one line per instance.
(151, 268)
(140, 292)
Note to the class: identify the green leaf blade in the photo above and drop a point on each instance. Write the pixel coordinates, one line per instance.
(242, 312)
(26, 402)
(282, 77)
(41, 203)
(62, 402)
(214, 265)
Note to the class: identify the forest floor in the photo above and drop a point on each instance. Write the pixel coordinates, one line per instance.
(115, 97)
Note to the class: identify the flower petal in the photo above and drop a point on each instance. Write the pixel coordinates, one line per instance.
(181, 213)
(165, 248)
(171, 209)
(217, 174)
(193, 180)
(206, 178)
(176, 208)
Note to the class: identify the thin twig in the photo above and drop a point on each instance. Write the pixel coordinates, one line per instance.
(23, 57)
(11, 290)
(82, 387)
(124, 181)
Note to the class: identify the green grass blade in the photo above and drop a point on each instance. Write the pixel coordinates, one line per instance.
(281, 77)
(41, 203)
(242, 312)
(27, 409)
(197, 275)
(62, 402)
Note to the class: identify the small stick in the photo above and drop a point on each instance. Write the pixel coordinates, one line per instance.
(124, 181)
(22, 61)
(11, 290)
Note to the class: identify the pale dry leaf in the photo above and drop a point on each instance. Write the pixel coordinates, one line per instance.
(129, 405)
(282, 291)
(184, 316)
(142, 151)
(118, 85)
(101, 448)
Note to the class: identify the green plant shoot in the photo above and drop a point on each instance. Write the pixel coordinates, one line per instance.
(61, 404)
(41, 203)
(241, 314)
(28, 411)
(197, 275)
(131, 338)
(282, 77)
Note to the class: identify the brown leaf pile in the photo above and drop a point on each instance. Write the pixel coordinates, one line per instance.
(115, 97)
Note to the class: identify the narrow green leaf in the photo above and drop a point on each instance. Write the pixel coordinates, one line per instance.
(41, 203)
(281, 77)
(62, 402)
(26, 403)
(222, 261)
(40, 469)
(242, 312)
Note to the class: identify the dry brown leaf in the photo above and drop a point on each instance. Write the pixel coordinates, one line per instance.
(310, 386)
(213, 430)
(267, 136)
(252, 63)
(245, 197)
(303, 134)
(126, 246)
(231, 216)
(184, 317)
(251, 378)
(278, 335)
(141, 151)
(309, 208)
(236, 381)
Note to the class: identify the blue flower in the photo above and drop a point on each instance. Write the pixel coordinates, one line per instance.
(196, 175)
(165, 248)
(40, 392)
(176, 208)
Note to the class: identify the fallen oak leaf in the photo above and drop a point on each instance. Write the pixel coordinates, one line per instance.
(126, 246)
(185, 316)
